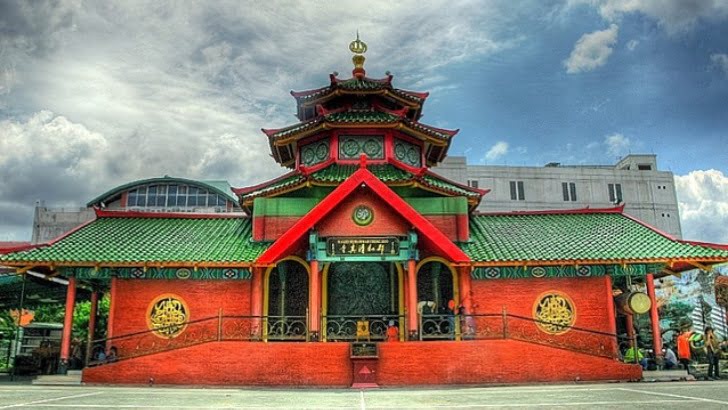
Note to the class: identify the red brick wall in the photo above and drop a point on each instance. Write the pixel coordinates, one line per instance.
(235, 363)
(328, 364)
(492, 361)
(203, 297)
(386, 221)
(518, 296)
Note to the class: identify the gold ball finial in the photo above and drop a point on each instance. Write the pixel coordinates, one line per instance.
(357, 46)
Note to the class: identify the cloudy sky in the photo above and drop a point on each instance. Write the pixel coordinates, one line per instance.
(95, 94)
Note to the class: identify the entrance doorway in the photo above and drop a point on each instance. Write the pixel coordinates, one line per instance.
(436, 287)
(362, 293)
(286, 301)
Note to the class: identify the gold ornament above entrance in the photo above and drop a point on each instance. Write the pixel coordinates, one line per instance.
(554, 313)
(167, 316)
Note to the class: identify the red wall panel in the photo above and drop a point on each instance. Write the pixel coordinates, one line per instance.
(203, 297)
(340, 222)
(518, 297)
(328, 364)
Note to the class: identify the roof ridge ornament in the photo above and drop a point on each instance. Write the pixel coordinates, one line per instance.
(358, 47)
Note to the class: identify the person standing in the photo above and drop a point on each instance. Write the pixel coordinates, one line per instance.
(683, 347)
(712, 347)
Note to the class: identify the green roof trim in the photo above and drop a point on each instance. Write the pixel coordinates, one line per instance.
(340, 172)
(440, 183)
(387, 173)
(219, 187)
(150, 240)
(577, 236)
(276, 186)
(566, 271)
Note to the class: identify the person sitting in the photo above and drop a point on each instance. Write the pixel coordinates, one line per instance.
(392, 332)
(670, 358)
(629, 357)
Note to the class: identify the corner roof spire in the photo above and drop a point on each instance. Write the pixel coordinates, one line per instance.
(358, 47)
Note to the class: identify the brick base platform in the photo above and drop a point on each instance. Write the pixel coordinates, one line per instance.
(328, 365)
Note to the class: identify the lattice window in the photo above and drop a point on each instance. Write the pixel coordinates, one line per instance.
(352, 146)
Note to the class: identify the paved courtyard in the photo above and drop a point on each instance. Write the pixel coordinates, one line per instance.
(678, 395)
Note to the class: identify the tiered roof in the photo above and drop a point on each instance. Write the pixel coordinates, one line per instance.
(334, 174)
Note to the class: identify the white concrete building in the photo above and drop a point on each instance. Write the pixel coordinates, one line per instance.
(648, 194)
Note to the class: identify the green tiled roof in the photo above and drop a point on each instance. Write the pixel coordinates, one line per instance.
(276, 186)
(150, 240)
(437, 182)
(366, 84)
(573, 237)
(339, 173)
(359, 117)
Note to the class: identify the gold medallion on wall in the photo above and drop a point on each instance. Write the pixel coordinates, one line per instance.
(167, 316)
(555, 312)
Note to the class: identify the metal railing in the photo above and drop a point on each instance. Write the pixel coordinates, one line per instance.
(349, 328)
(522, 328)
(194, 332)
(345, 328)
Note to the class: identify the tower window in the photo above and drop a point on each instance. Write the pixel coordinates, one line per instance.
(517, 191)
(569, 191)
(615, 193)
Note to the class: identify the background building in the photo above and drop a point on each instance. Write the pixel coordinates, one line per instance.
(648, 194)
(166, 194)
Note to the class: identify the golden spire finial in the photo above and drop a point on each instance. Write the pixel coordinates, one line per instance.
(358, 47)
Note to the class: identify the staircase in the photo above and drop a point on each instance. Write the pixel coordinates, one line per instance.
(72, 378)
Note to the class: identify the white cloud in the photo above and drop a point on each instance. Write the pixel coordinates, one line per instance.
(673, 16)
(632, 44)
(617, 144)
(703, 200)
(720, 61)
(592, 50)
(145, 91)
(498, 150)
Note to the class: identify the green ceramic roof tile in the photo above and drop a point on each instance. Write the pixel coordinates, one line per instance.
(362, 117)
(366, 84)
(574, 236)
(151, 240)
(339, 173)
(276, 186)
(436, 182)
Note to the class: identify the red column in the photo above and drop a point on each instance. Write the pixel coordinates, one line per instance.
(412, 324)
(611, 313)
(465, 291)
(654, 317)
(112, 303)
(630, 330)
(314, 303)
(67, 325)
(256, 301)
(92, 324)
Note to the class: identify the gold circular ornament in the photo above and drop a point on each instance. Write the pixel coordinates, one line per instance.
(554, 312)
(362, 215)
(167, 316)
(640, 303)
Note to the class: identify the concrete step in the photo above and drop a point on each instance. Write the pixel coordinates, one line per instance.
(70, 379)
